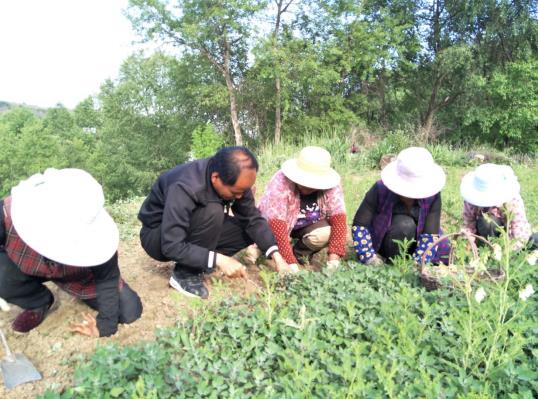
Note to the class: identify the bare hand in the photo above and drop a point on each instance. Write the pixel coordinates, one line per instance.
(281, 266)
(87, 327)
(231, 267)
(334, 257)
(375, 260)
(333, 264)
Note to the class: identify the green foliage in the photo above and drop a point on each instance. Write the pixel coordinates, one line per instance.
(31, 145)
(506, 113)
(356, 332)
(205, 141)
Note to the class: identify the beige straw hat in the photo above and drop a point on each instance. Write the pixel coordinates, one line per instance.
(312, 169)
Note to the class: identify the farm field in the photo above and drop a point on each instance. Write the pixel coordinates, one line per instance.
(355, 332)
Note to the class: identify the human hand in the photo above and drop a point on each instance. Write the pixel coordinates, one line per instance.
(4, 305)
(230, 266)
(87, 327)
(281, 266)
(334, 257)
(375, 260)
(333, 264)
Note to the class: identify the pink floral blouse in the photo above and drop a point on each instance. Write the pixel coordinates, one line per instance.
(519, 229)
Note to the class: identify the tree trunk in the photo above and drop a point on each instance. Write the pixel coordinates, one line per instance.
(278, 118)
(233, 110)
(281, 9)
(231, 93)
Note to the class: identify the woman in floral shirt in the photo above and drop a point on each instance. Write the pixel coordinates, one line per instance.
(491, 193)
(304, 202)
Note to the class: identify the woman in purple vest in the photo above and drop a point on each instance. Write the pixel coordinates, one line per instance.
(404, 204)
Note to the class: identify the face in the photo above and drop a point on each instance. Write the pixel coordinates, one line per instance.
(406, 200)
(246, 179)
(305, 190)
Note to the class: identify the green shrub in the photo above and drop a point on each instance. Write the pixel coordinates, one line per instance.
(205, 141)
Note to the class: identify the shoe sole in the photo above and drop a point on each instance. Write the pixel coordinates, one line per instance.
(175, 285)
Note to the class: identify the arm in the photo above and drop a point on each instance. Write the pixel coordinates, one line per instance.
(336, 217)
(362, 240)
(337, 240)
(433, 219)
(280, 231)
(470, 214)
(107, 278)
(175, 226)
(255, 224)
(520, 229)
(367, 209)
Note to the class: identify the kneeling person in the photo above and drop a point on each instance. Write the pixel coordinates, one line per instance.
(304, 202)
(490, 193)
(404, 205)
(54, 227)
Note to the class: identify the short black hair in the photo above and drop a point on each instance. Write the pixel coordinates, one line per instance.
(229, 161)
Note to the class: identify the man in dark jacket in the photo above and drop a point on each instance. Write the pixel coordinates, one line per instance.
(53, 227)
(186, 219)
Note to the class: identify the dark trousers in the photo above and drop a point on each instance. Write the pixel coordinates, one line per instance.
(28, 292)
(402, 227)
(489, 227)
(210, 228)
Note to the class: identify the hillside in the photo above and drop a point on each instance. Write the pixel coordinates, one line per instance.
(6, 106)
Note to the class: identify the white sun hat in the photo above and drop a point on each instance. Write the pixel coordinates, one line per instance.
(414, 174)
(60, 214)
(489, 185)
(312, 169)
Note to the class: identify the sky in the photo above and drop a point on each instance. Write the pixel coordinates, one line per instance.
(60, 51)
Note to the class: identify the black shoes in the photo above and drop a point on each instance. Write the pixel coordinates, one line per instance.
(191, 285)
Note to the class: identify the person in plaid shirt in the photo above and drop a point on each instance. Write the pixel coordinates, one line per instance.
(54, 227)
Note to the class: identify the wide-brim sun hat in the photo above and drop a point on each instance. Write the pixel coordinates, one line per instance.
(312, 169)
(414, 174)
(489, 185)
(60, 214)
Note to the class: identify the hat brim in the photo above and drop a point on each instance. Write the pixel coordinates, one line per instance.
(315, 180)
(424, 186)
(494, 196)
(92, 245)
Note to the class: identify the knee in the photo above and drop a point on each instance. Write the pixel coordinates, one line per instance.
(403, 227)
(534, 241)
(487, 226)
(318, 238)
(130, 305)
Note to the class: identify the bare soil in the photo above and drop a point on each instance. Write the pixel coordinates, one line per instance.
(54, 350)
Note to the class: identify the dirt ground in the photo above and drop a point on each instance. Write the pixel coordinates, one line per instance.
(53, 349)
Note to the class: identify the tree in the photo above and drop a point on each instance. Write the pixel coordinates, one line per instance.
(505, 107)
(218, 30)
(144, 129)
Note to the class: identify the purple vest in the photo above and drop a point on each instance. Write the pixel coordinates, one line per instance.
(382, 220)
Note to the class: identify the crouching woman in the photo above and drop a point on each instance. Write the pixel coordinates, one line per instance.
(53, 227)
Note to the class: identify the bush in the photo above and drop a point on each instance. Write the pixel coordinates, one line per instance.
(205, 141)
(358, 332)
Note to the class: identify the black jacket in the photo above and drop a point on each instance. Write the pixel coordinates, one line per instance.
(174, 197)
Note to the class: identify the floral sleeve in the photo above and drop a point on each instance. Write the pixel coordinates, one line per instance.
(520, 229)
(362, 242)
